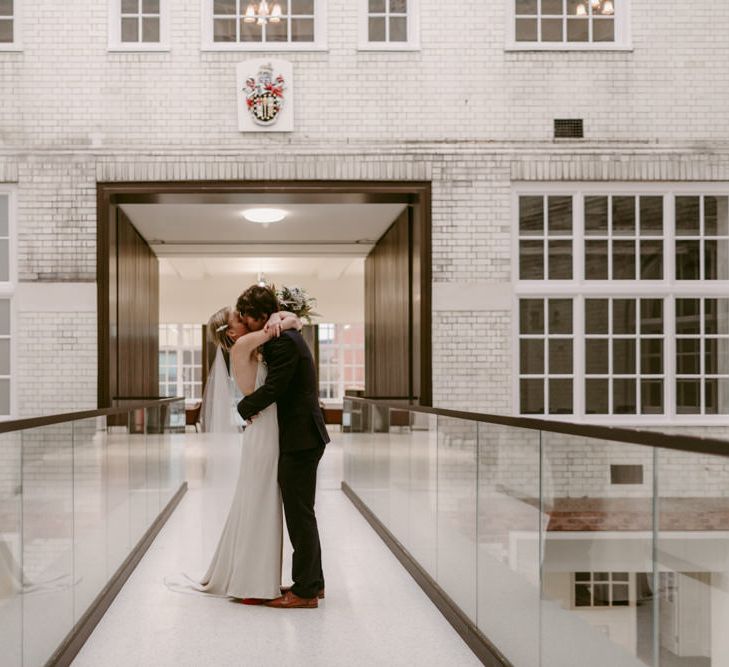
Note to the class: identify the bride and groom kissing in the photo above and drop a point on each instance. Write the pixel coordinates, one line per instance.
(282, 444)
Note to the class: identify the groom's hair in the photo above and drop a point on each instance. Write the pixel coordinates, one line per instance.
(258, 302)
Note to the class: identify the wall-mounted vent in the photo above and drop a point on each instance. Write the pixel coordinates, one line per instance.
(568, 128)
(626, 474)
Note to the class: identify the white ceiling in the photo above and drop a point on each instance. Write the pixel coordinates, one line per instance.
(219, 230)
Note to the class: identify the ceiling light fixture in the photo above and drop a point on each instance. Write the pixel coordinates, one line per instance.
(264, 216)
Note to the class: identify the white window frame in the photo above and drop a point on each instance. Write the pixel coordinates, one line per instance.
(630, 583)
(319, 43)
(413, 28)
(16, 44)
(115, 43)
(623, 39)
(339, 385)
(668, 289)
(7, 291)
(180, 365)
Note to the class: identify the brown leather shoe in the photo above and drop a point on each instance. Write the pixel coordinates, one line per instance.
(289, 600)
(288, 588)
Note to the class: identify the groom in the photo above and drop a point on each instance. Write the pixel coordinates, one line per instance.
(291, 383)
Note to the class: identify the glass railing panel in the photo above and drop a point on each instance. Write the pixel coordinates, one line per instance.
(379, 496)
(508, 540)
(47, 483)
(12, 581)
(597, 542)
(457, 502)
(423, 506)
(90, 519)
(692, 559)
(137, 475)
(118, 496)
(154, 434)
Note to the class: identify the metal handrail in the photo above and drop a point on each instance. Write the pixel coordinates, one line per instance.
(48, 420)
(682, 443)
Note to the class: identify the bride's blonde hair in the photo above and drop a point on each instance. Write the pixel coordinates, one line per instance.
(218, 329)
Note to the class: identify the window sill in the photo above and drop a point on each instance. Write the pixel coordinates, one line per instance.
(520, 47)
(11, 48)
(263, 48)
(138, 48)
(388, 46)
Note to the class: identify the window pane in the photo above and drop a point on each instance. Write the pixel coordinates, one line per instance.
(526, 30)
(624, 356)
(651, 316)
(620, 595)
(687, 216)
(302, 7)
(578, 30)
(716, 217)
(687, 260)
(302, 30)
(624, 260)
(551, 30)
(4, 356)
(596, 260)
(531, 216)
(560, 260)
(277, 32)
(526, 6)
(596, 357)
(688, 397)
(6, 32)
(531, 316)
(560, 316)
(531, 396)
(583, 597)
(531, 356)
(249, 32)
(559, 215)
(601, 576)
(651, 356)
(716, 356)
(4, 260)
(560, 397)
(716, 315)
(224, 7)
(552, 7)
(582, 576)
(688, 360)
(601, 594)
(130, 30)
(560, 357)
(603, 30)
(597, 393)
(651, 216)
(4, 397)
(4, 215)
(398, 29)
(596, 216)
(377, 6)
(717, 396)
(716, 259)
(624, 396)
(224, 30)
(130, 6)
(651, 397)
(596, 316)
(531, 260)
(688, 320)
(398, 6)
(150, 29)
(624, 215)
(651, 260)
(150, 6)
(575, 7)
(624, 316)
(5, 317)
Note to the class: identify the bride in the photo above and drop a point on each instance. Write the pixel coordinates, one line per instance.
(247, 561)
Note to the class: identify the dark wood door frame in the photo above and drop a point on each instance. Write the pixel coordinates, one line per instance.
(417, 194)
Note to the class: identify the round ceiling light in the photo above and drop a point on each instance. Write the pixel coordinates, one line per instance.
(264, 215)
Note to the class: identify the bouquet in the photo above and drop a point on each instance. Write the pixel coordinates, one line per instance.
(295, 300)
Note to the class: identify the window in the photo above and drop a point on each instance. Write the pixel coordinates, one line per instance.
(138, 25)
(7, 290)
(9, 28)
(601, 589)
(569, 24)
(238, 25)
(180, 361)
(388, 25)
(341, 360)
(622, 306)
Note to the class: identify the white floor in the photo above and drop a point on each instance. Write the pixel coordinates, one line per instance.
(374, 613)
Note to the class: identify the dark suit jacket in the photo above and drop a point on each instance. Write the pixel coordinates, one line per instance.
(291, 383)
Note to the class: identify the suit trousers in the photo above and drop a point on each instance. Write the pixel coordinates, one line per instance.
(297, 479)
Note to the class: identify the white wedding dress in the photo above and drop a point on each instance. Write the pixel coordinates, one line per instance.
(247, 561)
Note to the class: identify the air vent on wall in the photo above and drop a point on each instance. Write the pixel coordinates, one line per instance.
(568, 128)
(626, 474)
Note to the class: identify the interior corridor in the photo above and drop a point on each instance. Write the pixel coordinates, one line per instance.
(374, 613)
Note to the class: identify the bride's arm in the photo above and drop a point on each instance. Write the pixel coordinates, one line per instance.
(281, 321)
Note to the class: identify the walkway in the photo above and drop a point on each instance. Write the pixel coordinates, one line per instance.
(374, 613)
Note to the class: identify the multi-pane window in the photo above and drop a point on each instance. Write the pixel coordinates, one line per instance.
(702, 356)
(277, 21)
(602, 589)
(545, 238)
(180, 360)
(140, 21)
(624, 356)
(341, 359)
(7, 21)
(565, 21)
(546, 356)
(623, 237)
(702, 238)
(387, 21)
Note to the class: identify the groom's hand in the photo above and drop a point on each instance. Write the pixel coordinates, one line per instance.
(273, 325)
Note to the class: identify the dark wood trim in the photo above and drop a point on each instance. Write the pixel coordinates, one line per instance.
(484, 650)
(74, 641)
(48, 420)
(682, 443)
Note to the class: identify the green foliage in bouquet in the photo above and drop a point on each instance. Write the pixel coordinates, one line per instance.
(297, 301)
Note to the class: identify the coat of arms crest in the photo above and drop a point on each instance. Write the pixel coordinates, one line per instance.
(265, 95)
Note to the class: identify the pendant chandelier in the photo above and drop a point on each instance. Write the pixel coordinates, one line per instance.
(262, 13)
